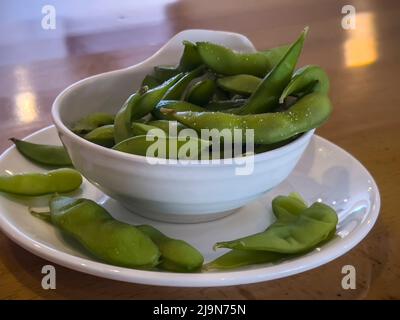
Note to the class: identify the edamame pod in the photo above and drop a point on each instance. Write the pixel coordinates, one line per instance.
(288, 208)
(314, 225)
(170, 127)
(225, 105)
(110, 240)
(160, 146)
(226, 61)
(141, 129)
(267, 94)
(91, 122)
(190, 60)
(103, 136)
(174, 105)
(37, 184)
(123, 119)
(176, 91)
(43, 154)
(305, 80)
(240, 258)
(176, 255)
(150, 82)
(242, 84)
(201, 93)
(307, 113)
(138, 105)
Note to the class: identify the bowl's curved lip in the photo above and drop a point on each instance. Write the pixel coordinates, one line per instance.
(55, 112)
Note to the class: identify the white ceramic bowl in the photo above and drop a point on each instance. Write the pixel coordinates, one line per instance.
(169, 192)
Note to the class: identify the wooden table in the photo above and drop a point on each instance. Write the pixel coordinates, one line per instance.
(36, 64)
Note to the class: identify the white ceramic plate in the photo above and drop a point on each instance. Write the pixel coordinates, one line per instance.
(325, 173)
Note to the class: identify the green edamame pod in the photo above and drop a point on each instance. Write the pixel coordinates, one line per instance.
(288, 208)
(138, 105)
(226, 61)
(159, 146)
(176, 255)
(170, 127)
(142, 129)
(150, 82)
(176, 91)
(307, 113)
(110, 240)
(260, 148)
(123, 119)
(201, 93)
(174, 105)
(314, 225)
(275, 54)
(240, 258)
(305, 80)
(163, 73)
(43, 154)
(190, 60)
(91, 122)
(103, 136)
(225, 105)
(267, 94)
(242, 84)
(190, 57)
(37, 184)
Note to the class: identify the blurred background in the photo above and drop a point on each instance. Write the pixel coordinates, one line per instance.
(47, 45)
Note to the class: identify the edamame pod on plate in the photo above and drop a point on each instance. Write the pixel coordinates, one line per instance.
(240, 258)
(37, 184)
(110, 240)
(43, 154)
(314, 225)
(176, 255)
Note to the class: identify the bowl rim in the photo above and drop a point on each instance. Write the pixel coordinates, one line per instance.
(61, 127)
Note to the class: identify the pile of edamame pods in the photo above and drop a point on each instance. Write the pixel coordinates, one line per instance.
(212, 87)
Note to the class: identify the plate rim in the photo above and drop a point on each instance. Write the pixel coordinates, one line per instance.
(208, 279)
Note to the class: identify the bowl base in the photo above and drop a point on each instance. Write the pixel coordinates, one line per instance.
(179, 218)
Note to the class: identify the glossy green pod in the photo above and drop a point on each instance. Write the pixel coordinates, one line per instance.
(201, 92)
(43, 154)
(37, 184)
(240, 258)
(305, 80)
(307, 113)
(176, 255)
(266, 96)
(226, 61)
(104, 237)
(174, 105)
(103, 136)
(242, 84)
(314, 225)
(91, 122)
(159, 146)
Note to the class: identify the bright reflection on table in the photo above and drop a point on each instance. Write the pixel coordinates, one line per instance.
(25, 100)
(26, 110)
(360, 49)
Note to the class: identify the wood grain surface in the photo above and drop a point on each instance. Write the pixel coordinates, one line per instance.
(97, 36)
